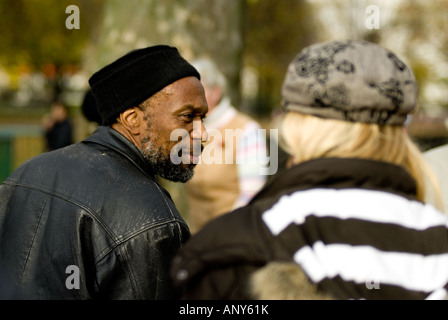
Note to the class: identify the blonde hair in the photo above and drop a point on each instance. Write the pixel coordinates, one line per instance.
(307, 137)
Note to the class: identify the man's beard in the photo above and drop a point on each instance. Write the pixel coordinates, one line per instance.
(161, 162)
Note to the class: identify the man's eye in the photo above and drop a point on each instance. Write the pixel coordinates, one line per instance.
(192, 116)
(189, 116)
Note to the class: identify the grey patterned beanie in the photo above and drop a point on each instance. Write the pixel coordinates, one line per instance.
(350, 80)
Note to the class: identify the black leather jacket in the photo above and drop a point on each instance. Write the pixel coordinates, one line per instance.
(92, 215)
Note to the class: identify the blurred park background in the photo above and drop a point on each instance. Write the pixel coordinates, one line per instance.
(253, 41)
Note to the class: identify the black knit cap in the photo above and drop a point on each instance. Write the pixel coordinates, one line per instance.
(133, 78)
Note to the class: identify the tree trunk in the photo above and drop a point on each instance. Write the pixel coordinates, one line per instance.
(196, 27)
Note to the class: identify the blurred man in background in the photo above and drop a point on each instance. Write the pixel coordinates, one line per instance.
(231, 176)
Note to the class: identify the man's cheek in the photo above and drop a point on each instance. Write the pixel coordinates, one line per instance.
(181, 153)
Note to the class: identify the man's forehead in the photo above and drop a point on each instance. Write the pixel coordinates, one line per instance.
(178, 84)
(178, 100)
(187, 88)
(164, 93)
(190, 107)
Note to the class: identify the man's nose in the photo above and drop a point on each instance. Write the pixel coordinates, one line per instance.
(199, 131)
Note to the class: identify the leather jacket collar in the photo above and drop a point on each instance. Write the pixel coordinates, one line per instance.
(112, 139)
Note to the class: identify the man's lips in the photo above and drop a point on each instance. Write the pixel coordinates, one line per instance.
(192, 154)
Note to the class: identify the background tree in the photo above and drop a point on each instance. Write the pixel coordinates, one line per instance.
(35, 39)
(423, 28)
(275, 31)
(34, 32)
(195, 27)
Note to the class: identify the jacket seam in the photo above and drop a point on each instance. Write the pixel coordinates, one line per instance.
(166, 202)
(105, 252)
(32, 241)
(132, 275)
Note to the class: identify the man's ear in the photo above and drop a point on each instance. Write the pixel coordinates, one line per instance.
(131, 119)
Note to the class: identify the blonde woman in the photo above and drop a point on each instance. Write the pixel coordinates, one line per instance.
(349, 211)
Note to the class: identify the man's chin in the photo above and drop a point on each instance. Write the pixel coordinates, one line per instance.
(178, 173)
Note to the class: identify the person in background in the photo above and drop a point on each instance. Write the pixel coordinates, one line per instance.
(58, 127)
(90, 221)
(437, 158)
(350, 209)
(220, 185)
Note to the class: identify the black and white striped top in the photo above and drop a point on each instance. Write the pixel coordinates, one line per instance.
(372, 242)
